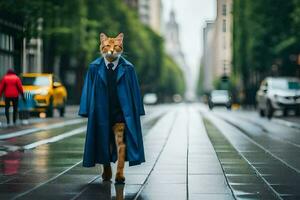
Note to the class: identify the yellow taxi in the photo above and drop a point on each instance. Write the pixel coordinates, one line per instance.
(46, 91)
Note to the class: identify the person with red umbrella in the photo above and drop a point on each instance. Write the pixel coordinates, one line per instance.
(11, 86)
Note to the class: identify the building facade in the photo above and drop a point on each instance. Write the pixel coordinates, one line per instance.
(11, 43)
(217, 45)
(150, 13)
(223, 38)
(208, 56)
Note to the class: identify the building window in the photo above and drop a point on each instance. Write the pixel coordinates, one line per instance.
(11, 43)
(7, 39)
(224, 9)
(6, 42)
(1, 41)
(224, 25)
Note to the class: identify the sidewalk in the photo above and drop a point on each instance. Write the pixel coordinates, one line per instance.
(180, 164)
(71, 113)
(191, 153)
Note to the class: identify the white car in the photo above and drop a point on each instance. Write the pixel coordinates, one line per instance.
(280, 93)
(150, 98)
(219, 98)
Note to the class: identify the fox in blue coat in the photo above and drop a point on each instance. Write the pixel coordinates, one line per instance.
(112, 102)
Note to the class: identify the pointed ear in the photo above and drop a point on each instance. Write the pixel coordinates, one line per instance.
(102, 37)
(120, 37)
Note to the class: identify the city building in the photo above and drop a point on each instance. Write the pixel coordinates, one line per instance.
(11, 42)
(173, 49)
(223, 38)
(33, 52)
(217, 45)
(150, 12)
(208, 56)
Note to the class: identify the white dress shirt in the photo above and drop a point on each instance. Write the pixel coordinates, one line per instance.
(115, 63)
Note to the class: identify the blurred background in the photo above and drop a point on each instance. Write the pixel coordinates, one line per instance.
(182, 50)
(190, 56)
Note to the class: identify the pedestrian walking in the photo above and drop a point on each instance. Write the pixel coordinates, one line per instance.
(112, 102)
(11, 86)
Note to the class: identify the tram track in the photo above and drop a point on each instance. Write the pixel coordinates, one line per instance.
(265, 155)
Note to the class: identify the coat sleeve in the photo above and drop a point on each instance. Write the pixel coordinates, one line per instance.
(137, 93)
(86, 94)
(19, 86)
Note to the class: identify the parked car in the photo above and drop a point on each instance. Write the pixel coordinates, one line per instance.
(47, 91)
(150, 98)
(219, 98)
(280, 93)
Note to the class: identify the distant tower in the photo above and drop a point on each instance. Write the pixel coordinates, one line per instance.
(173, 48)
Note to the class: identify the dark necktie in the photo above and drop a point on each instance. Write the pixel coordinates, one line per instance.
(110, 66)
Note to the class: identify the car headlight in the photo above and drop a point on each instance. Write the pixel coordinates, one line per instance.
(279, 98)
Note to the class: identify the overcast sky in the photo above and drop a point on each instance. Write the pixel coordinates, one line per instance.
(191, 16)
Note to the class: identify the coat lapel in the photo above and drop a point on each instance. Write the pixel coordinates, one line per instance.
(121, 72)
(102, 71)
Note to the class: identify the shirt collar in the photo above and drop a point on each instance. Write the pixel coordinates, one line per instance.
(114, 62)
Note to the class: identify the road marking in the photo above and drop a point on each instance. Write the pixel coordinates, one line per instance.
(261, 127)
(55, 138)
(237, 152)
(49, 180)
(212, 116)
(45, 128)
(287, 123)
(152, 116)
(170, 130)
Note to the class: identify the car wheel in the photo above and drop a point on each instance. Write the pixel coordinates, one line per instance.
(270, 110)
(262, 112)
(297, 111)
(49, 111)
(228, 107)
(210, 106)
(285, 112)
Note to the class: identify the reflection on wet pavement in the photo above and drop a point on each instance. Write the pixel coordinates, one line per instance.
(271, 159)
(187, 157)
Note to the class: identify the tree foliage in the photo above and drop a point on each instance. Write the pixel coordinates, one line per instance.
(71, 37)
(265, 40)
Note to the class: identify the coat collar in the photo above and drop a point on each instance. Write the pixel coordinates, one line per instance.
(102, 67)
(115, 63)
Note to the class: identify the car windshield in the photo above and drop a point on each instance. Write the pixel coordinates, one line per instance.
(37, 81)
(285, 84)
(219, 93)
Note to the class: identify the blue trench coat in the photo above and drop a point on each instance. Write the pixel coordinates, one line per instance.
(94, 105)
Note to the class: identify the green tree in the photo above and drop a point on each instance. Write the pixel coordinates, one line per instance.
(71, 37)
(264, 38)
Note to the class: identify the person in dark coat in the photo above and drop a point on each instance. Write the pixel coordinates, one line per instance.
(11, 86)
(112, 102)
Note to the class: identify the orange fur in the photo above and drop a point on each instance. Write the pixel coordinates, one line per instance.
(111, 48)
(118, 129)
